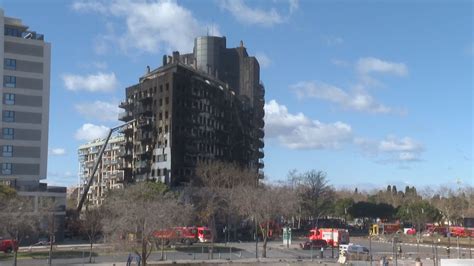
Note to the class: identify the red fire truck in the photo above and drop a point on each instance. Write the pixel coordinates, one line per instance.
(333, 236)
(184, 235)
(204, 234)
(8, 245)
(459, 231)
(432, 229)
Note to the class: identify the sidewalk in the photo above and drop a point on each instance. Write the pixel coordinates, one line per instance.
(243, 262)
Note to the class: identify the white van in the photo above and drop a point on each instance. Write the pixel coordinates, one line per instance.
(354, 252)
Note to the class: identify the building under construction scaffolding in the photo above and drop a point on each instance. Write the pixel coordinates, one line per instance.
(198, 107)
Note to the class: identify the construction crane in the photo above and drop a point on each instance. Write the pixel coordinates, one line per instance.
(97, 162)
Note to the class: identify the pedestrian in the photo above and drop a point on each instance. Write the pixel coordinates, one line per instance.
(138, 260)
(400, 250)
(129, 259)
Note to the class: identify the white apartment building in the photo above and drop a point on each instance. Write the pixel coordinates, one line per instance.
(109, 174)
(25, 79)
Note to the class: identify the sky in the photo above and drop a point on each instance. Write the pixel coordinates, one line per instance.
(372, 93)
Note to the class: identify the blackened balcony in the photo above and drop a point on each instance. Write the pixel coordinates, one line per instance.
(143, 110)
(143, 152)
(146, 97)
(126, 104)
(144, 122)
(141, 165)
(125, 116)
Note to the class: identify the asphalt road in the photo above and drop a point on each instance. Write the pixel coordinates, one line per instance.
(246, 250)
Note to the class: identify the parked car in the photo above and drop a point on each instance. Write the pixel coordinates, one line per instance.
(8, 245)
(315, 244)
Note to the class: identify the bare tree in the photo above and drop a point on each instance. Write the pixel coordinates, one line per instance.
(18, 220)
(315, 194)
(47, 212)
(91, 225)
(214, 190)
(135, 213)
(264, 205)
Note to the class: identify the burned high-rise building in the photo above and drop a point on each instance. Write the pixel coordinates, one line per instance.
(198, 107)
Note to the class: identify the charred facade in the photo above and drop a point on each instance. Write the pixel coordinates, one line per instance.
(198, 107)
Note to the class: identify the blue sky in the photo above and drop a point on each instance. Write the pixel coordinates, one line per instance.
(372, 93)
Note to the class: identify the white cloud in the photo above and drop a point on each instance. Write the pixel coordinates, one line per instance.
(263, 59)
(339, 62)
(358, 99)
(294, 5)
(256, 16)
(369, 65)
(57, 151)
(99, 64)
(392, 144)
(88, 132)
(100, 82)
(300, 132)
(332, 40)
(391, 149)
(102, 111)
(149, 25)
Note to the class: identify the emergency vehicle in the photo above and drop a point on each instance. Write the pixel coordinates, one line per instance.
(333, 236)
(385, 228)
(184, 235)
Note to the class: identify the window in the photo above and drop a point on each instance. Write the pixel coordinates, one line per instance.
(167, 86)
(7, 151)
(166, 115)
(161, 88)
(7, 133)
(8, 116)
(12, 32)
(6, 169)
(9, 63)
(9, 81)
(9, 98)
(167, 100)
(161, 101)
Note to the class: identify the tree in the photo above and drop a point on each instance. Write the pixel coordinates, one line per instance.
(342, 206)
(6, 193)
(135, 213)
(264, 205)
(364, 209)
(91, 225)
(316, 196)
(213, 191)
(17, 219)
(419, 213)
(47, 211)
(449, 204)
